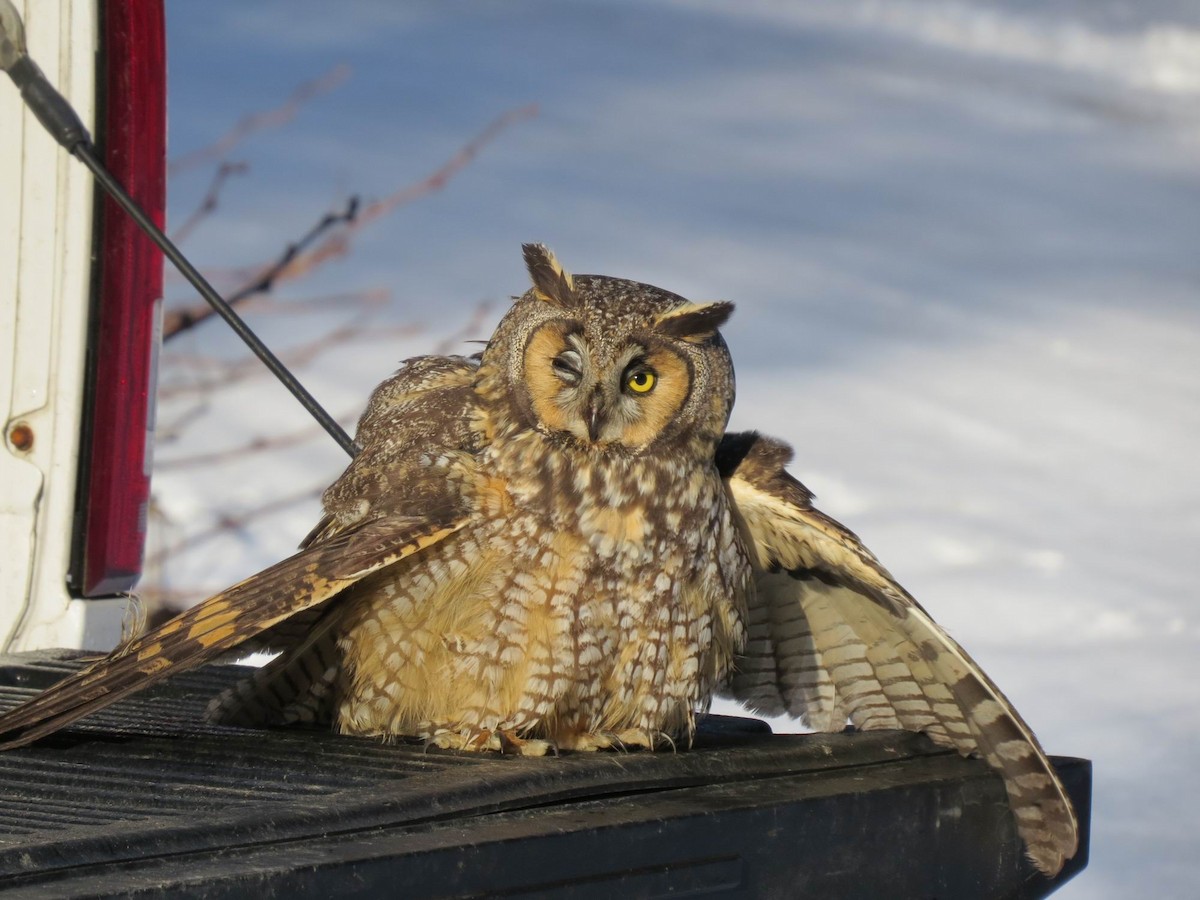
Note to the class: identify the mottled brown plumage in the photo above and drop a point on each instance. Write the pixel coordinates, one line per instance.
(556, 545)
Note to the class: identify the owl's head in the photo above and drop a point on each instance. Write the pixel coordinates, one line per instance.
(612, 363)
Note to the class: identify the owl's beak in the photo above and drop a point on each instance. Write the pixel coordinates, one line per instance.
(595, 416)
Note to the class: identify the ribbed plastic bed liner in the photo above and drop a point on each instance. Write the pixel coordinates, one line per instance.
(147, 797)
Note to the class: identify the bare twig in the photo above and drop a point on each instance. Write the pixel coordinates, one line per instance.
(181, 320)
(473, 325)
(165, 434)
(232, 522)
(337, 244)
(271, 118)
(209, 203)
(367, 299)
(266, 279)
(298, 356)
(257, 445)
(298, 260)
(292, 438)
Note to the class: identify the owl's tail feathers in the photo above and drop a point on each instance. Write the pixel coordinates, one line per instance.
(295, 687)
(226, 620)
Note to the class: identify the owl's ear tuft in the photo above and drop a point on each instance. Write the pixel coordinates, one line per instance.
(551, 282)
(695, 322)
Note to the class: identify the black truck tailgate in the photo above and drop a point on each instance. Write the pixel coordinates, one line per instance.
(145, 798)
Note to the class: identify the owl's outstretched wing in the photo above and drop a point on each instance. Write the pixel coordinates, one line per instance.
(303, 581)
(832, 635)
(409, 487)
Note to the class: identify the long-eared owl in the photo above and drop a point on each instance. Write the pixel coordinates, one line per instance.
(556, 545)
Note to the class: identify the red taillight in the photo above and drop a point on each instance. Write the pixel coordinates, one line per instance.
(118, 424)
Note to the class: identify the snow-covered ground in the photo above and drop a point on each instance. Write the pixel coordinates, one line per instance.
(964, 241)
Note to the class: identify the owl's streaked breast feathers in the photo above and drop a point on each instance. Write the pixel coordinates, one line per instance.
(557, 544)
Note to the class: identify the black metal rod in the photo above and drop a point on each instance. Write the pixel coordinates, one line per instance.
(84, 152)
(59, 118)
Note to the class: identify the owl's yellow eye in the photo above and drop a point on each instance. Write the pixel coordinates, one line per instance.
(641, 382)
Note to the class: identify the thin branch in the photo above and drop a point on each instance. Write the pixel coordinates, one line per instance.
(257, 445)
(298, 356)
(336, 245)
(182, 320)
(473, 325)
(363, 300)
(168, 433)
(275, 442)
(366, 299)
(229, 522)
(297, 260)
(265, 280)
(211, 196)
(271, 118)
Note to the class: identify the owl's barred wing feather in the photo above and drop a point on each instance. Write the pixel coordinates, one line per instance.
(309, 578)
(407, 489)
(296, 686)
(832, 635)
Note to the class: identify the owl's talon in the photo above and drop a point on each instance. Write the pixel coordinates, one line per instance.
(517, 746)
(510, 744)
(474, 739)
(589, 742)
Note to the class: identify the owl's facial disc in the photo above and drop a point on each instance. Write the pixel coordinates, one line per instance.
(624, 397)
